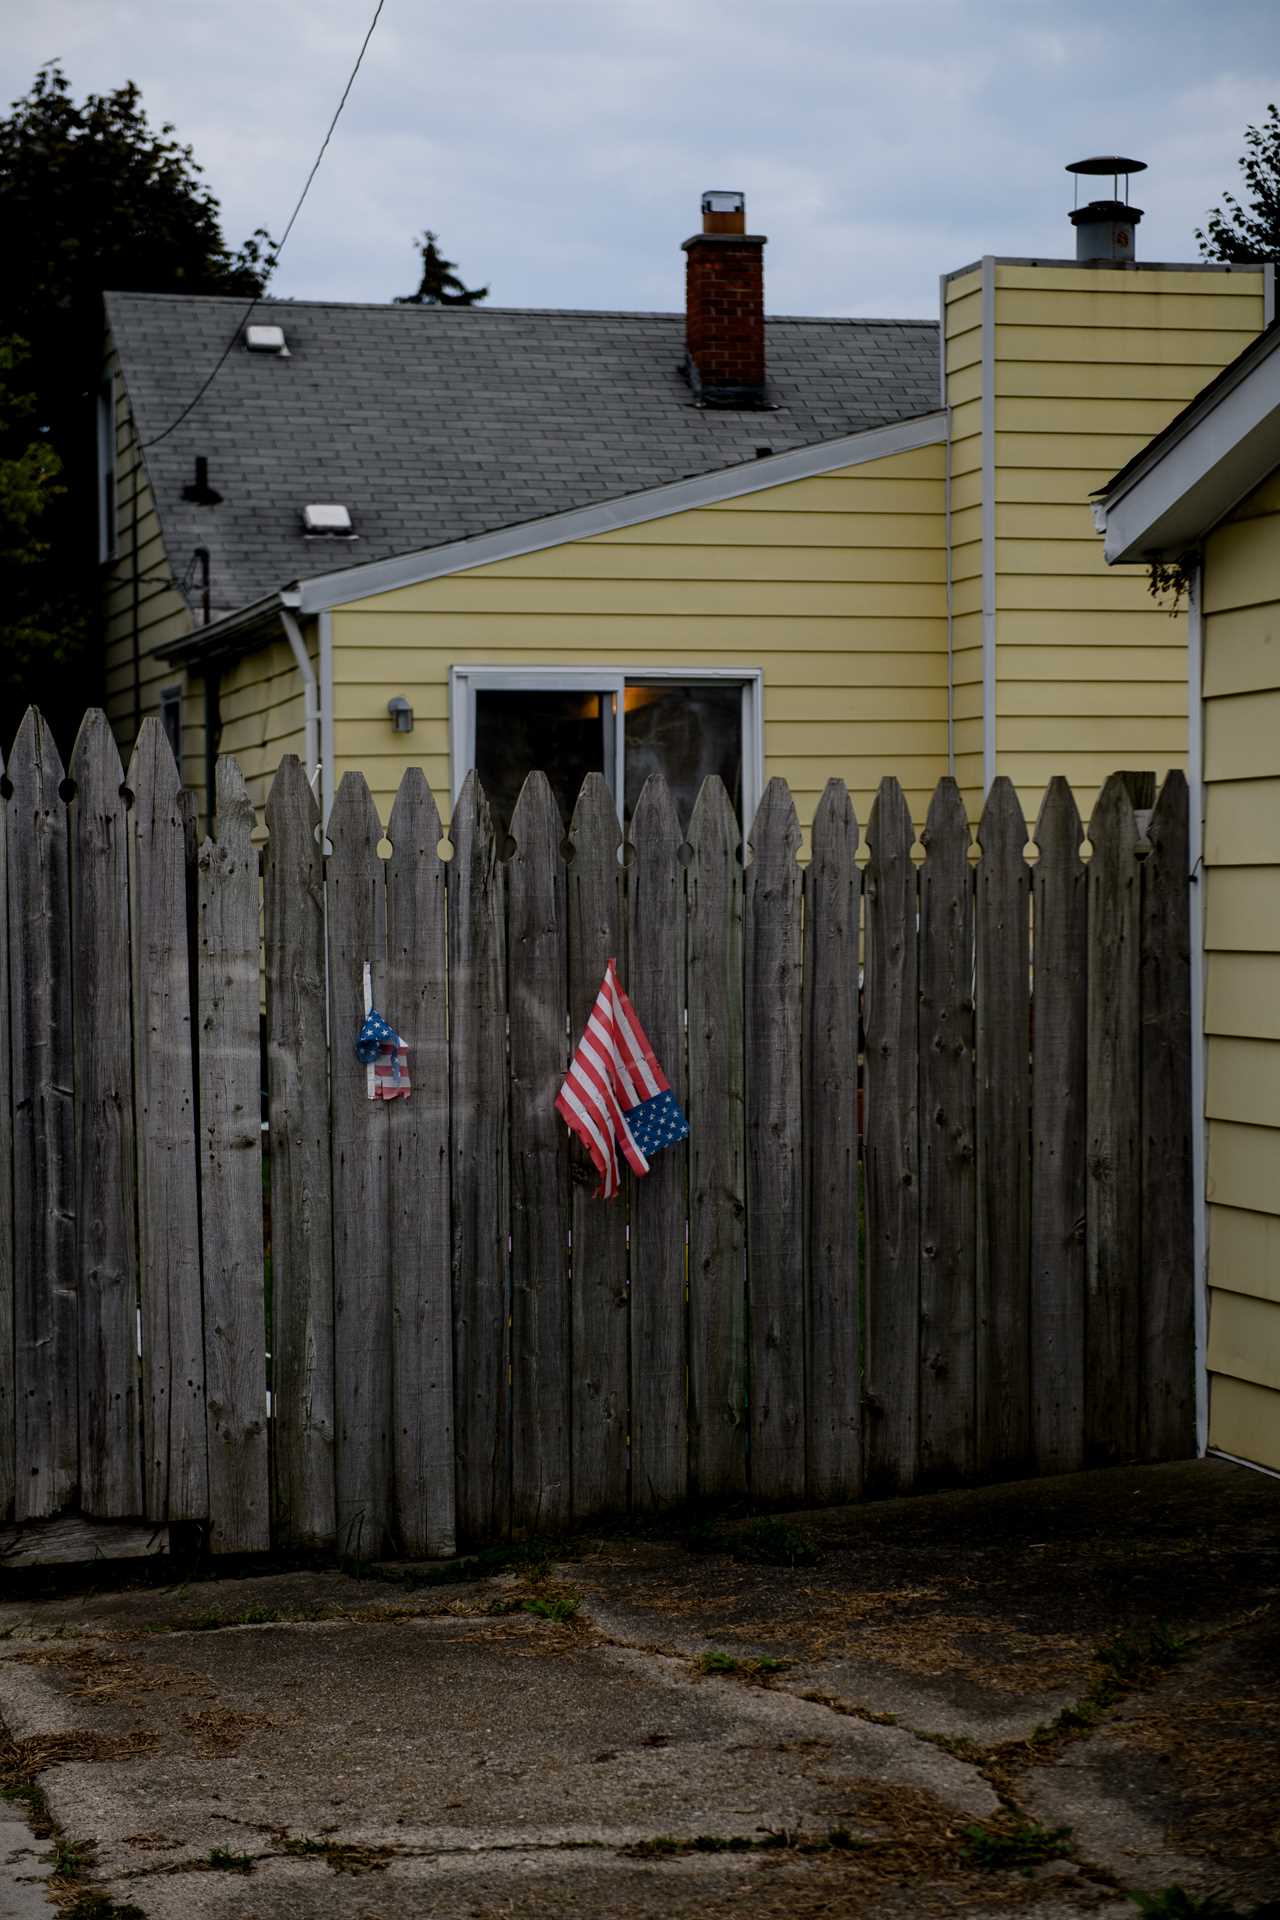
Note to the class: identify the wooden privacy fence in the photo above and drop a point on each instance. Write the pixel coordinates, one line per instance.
(932, 1222)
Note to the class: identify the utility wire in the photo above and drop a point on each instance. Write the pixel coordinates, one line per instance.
(244, 319)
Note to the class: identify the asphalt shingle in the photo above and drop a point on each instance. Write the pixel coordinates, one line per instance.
(433, 424)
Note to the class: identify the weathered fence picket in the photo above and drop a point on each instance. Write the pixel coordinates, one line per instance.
(599, 1316)
(891, 1146)
(1166, 1384)
(45, 1300)
(948, 1194)
(175, 1451)
(1113, 1162)
(1060, 1007)
(230, 1082)
(541, 1334)
(416, 974)
(480, 1189)
(717, 1197)
(659, 1349)
(105, 1154)
(361, 1193)
(301, 1208)
(772, 1015)
(829, 1091)
(932, 1223)
(1003, 1104)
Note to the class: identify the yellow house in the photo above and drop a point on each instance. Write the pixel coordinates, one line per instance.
(703, 541)
(1204, 499)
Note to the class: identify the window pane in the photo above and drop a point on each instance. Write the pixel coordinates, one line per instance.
(517, 730)
(685, 732)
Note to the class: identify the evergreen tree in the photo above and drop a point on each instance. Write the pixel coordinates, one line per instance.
(1243, 233)
(440, 285)
(91, 198)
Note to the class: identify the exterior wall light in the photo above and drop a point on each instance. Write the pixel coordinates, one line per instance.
(401, 714)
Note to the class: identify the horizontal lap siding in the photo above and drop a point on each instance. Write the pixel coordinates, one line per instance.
(262, 706)
(834, 586)
(962, 310)
(1242, 984)
(1087, 367)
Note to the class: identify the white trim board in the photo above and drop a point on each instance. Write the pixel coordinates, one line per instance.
(607, 516)
(466, 680)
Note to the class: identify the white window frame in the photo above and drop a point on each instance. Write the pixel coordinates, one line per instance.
(108, 471)
(466, 682)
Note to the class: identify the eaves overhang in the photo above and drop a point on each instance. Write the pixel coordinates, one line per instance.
(234, 635)
(1205, 462)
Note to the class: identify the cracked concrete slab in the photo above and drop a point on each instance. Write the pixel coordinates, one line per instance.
(378, 1750)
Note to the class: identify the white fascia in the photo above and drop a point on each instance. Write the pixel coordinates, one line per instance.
(607, 516)
(1195, 481)
(1199, 1120)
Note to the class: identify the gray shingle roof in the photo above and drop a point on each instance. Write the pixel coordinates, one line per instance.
(433, 424)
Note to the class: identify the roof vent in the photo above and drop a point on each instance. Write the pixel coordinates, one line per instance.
(327, 518)
(263, 339)
(1104, 228)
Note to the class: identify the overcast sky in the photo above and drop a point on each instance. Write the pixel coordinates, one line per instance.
(559, 147)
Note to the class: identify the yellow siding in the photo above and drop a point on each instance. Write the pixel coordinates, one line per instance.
(1242, 996)
(835, 587)
(132, 693)
(966, 373)
(1085, 368)
(262, 710)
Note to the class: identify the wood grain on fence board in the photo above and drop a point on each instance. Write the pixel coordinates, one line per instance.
(480, 1193)
(1003, 1106)
(1058, 1105)
(717, 1196)
(45, 1338)
(600, 1330)
(230, 1078)
(105, 1149)
(829, 1124)
(7, 1408)
(948, 1183)
(541, 1334)
(1113, 1202)
(772, 1014)
(421, 1266)
(361, 1198)
(302, 1423)
(175, 1457)
(891, 1146)
(659, 1349)
(1167, 1330)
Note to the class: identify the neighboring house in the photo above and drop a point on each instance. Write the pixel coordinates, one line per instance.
(1204, 497)
(702, 542)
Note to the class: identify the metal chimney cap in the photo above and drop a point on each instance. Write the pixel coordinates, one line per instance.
(1103, 163)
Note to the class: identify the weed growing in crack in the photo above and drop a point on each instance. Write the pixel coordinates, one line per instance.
(1019, 1847)
(748, 1667)
(769, 1542)
(94, 1903)
(71, 1858)
(560, 1608)
(222, 1860)
(1175, 1903)
(1122, 1664)
(764, 1840)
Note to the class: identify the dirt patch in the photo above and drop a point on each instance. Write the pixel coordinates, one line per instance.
(223, 1729)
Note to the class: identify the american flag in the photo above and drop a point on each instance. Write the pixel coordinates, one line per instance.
(616, 1096)
(385, 1056)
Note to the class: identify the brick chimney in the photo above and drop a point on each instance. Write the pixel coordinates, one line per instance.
(724, 307)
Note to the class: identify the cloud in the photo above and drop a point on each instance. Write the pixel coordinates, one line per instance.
(559, 146)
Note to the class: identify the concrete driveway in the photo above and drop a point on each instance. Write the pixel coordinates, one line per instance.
(1038, 1699)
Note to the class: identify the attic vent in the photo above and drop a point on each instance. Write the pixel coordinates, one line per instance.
(330, 518)
(262, 339)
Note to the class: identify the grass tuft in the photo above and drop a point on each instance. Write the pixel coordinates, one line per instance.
(561, 1607)
(1019, 1847)
(222, 1860)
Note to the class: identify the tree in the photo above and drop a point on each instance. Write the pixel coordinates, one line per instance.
(440, 285)
(91, 198)
(1243, 233)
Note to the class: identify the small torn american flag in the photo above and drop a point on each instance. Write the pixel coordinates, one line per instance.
(616, 1097)
(384, 1053)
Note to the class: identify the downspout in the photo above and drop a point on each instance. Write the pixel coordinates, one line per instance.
(310, 695)
(325, 621)
(212, 738)
(1199, 1124)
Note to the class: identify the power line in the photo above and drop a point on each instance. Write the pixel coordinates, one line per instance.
(244, 319)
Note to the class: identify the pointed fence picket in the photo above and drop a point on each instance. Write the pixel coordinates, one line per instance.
(932, 1223)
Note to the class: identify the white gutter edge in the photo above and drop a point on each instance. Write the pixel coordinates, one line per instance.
(1268, 292)
(610, 516)
(988, 522)
(310, 696)
(1199, 1123)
